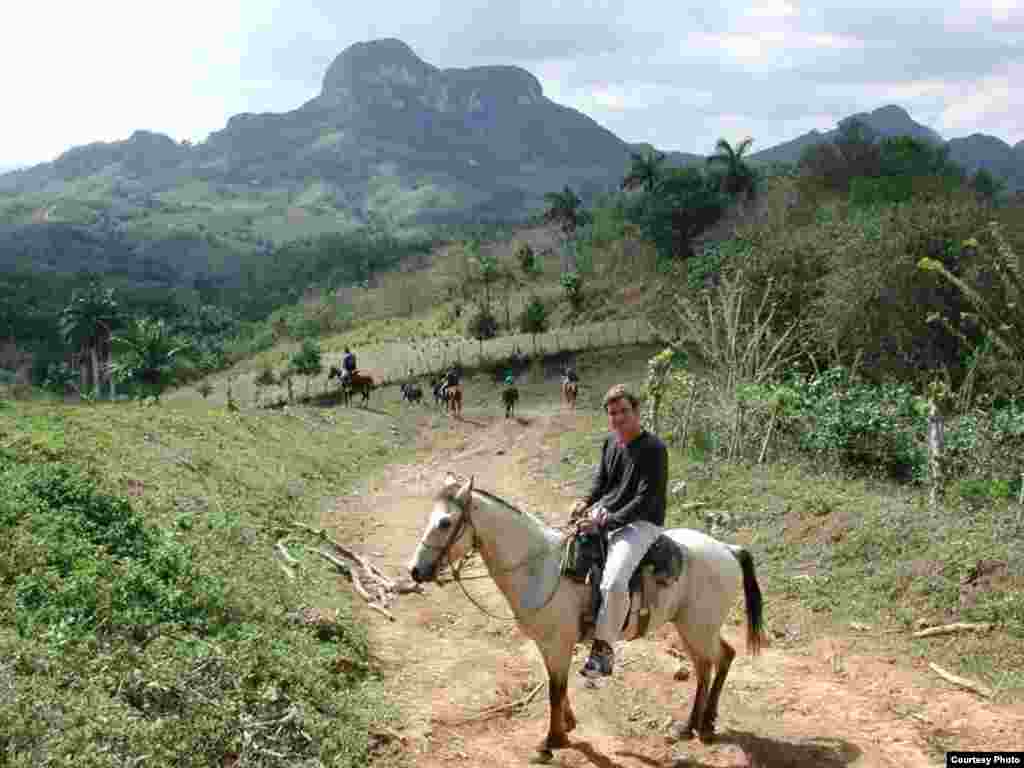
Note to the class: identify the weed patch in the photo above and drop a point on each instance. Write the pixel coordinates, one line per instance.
(142, 615)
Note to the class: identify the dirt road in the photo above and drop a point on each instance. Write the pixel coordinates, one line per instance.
(822, 702)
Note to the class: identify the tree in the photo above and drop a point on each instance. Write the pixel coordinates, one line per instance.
(687, 203)
(308, 361)
(527, 259)
(986, 186)
(510, 284)
(565, 209)
(857, 143)
(646, 171)
(907, 156)
(487, 272)
(738, 179)
(87, 324)
(534, 319)
(152, 354)
(483, 324)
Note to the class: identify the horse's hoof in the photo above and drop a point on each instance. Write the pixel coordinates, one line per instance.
(543, 757)
(680, 732)
(555, 742)
(706, 735)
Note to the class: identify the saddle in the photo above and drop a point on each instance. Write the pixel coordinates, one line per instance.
(663, 564)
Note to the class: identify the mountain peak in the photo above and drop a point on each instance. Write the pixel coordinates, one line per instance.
(894, 120)
(383, 61)
(892, 111)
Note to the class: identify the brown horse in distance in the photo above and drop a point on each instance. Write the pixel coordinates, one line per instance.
(569, 391)
(357, 382)
(454, 395)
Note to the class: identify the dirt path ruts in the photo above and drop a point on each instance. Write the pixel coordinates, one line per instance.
(831, 702)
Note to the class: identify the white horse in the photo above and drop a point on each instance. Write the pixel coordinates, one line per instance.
(524, 557)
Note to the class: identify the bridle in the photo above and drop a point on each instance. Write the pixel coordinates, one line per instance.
(445, 549)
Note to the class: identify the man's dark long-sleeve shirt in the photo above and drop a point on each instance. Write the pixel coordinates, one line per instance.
(632, 481)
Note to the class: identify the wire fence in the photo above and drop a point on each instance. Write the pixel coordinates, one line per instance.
(391, 362)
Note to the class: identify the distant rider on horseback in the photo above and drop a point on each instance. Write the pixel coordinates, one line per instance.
(626, 504)
(348, 363)
(452, 378)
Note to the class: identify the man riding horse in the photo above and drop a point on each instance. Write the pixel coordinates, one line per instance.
(452, 389)
(626, 503)
(570, 384)
(348, 364)
(510, 396)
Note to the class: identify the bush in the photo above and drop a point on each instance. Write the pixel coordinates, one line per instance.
(482, 324)
(308, 361)
(862, 426)
(82, 559)
(266, 377)
(853, 276)
(534, 317)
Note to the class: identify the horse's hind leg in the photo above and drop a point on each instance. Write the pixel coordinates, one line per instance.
(700, 696)
(727, 654)
(703, 664)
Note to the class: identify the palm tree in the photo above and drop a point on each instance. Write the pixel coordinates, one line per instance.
(739, 177)
(565, 209)
(646, 171)
(151, 355)
(87, 323)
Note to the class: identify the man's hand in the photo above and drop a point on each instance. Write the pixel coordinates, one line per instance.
(577, 509)
(598, 517)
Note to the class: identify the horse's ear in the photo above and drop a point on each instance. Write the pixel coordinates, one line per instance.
(464, 492)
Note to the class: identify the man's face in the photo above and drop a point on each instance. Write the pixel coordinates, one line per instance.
(622, 418)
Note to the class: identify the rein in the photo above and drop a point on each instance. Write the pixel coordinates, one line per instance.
(457, 569)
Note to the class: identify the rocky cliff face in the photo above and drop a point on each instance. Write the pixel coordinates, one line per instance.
(487, 131)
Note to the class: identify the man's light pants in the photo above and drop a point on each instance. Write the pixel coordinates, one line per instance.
(626, 548)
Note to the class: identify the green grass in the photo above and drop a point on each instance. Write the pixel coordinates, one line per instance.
(142, 611)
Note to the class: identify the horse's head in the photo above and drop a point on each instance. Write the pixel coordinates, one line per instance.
(448, 535)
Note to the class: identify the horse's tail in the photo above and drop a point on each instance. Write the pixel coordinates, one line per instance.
(756, 636)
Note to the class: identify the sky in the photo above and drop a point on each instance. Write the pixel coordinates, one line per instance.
(675, 74)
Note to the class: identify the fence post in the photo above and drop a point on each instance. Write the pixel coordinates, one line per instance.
(937, 401)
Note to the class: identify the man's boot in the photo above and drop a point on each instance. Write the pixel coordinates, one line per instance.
(600, 662)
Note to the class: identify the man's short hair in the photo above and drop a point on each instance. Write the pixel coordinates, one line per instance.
(621, 392)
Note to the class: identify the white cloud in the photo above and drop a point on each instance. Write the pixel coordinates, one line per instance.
(772, 9)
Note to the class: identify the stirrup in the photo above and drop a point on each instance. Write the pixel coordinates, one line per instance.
(598, 664)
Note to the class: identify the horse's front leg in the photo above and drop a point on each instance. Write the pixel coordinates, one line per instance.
(557, 658)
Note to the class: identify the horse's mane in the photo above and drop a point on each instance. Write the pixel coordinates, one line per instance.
(449, 492)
